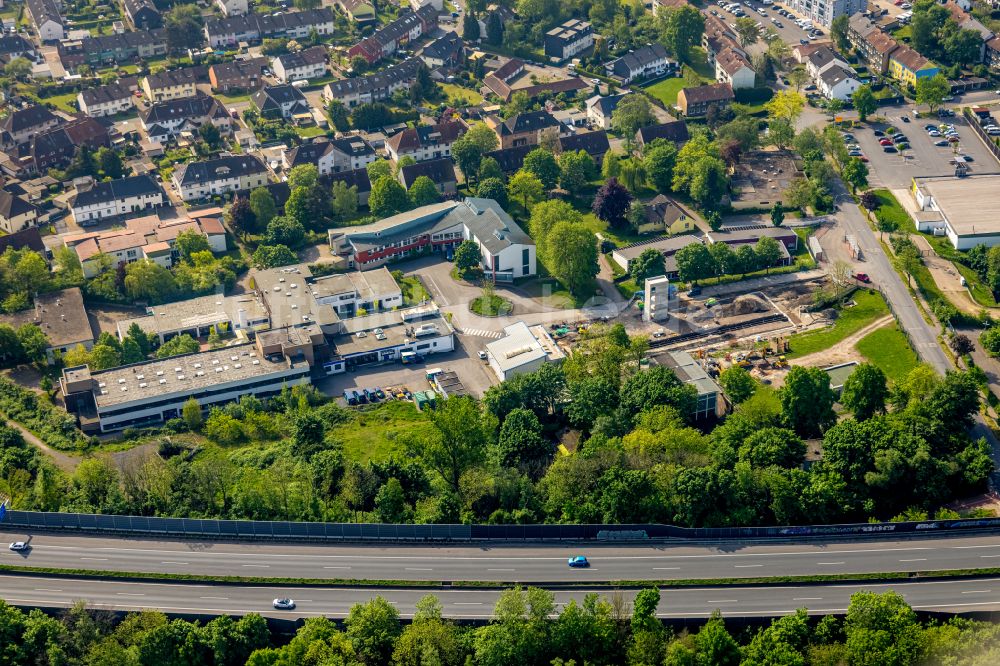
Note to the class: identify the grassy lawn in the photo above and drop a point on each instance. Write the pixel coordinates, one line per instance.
(451, 90)
(551, 290)
(698, 61)
(889, 349)
(232, 99)
(492, 306)
(310, 132)
(377, 433)
(869, 307)
(66, 102)
(413, 290)
(889, 209)
(666, 90)
(619, 237)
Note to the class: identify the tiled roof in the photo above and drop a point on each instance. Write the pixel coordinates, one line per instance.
(404, 71)
(440, 171)
(12, 205)
(23, 119)
(122, 188)
(228, 166)
(412, 138)
(713, 92)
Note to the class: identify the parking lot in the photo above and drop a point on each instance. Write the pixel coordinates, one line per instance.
(789, 32)
(923, 158)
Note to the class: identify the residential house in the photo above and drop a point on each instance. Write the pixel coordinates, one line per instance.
(436, 4)
(664, 216)
(822, 59)
(718, 37)
(357, 178)
(16, 46)
(393, 36)
(22, 124)
(115, 49)
(838, 83)
(426, 142)
(284, 101)
(359, 11)
(441, 172)
(506, 252)
(62, 317)
(171, 84)
(331, 155)
(300, 66)
(569, 39)
(372, 87)
(142, 14)
(234, 7)
(447, 52)
(54, 148)
(219, 176)
(643, 63)
(164, 121)
(696, 101)
(146, 237)
(992, 57)
(675, 130)
(600, 108)
(16, 214)
(504, 13)
(251, 27)
(906, 66)
(29, 238)
(594, 143)
(524, 129)
(237, 75)
(48, 20)
(116, 198)
(106, 100)
(732, 67)
(823, 13)
(966, 21)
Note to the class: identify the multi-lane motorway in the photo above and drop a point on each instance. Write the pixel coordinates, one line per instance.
(514, 563)
(542, 564)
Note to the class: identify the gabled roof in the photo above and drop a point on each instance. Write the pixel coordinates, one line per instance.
(531, 121)
(12, 205)
(275, 97)
(307, 57)
(15, 44)
(439, 171)
(835, 75)
(29, 238)
(444, 48)
(910, 59)
(639, 59)
(199, 106)
(269, 24)
(237, 70)
(714, 92)
(605, 105)
(134, 186)
(44, 10)
(823, 56)
(882, 43)
(393, 32)
(413, 138)
(353, 177)
(397, 74)
(731, 61)
(111, 92)
(70, 136)
(25, 119)
(228, 166)
(187, 76)
(593, 143)
(675, 130)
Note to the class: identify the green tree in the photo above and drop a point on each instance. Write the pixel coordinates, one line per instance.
(183, 28)
(423, 191)
(284, 231)
(493, 188)
(110, 163)
(682, 29)
(388, 197)
(650, 263)
(467, 256)
(458, 440)
(747, 31)
(338, 115)
(490, 168)
(656, 386)
(546, 214)
(576, 169)
(379, 169)
(344, 200)
(526, 187)
(470, 27)
(777, 214)
(864, 102)
(838, 31)
(147, 280)
(695, 262)
(494, 29)
(931, 90)
(240, 217)
(807, 401)
(371, 115)
(32, 343)
(469, 149)
(272, 256)
(177, 345)
(882, 629)
(542, 163)
(632, 113)
(262, 206)
(390, 503)
(373, 628)
(738, 384)
(131, 352)
(188, 243)
(768, 252)
(191, 413)
(865, 391)
(659, 159)
(855, 172)
(570, 252)
(520, 443)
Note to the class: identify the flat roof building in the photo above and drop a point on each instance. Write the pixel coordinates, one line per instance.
(523, 349)
(969, 208)
(197, 316)
(691, 373)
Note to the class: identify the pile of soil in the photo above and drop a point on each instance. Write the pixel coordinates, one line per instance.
(744, 305)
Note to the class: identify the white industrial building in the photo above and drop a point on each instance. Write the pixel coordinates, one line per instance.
(522, 349)
(966, 210)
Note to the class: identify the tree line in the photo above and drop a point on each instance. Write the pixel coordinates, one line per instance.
(527, 627)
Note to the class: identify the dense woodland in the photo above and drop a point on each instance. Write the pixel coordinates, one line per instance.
(526, 629)
(893, 451)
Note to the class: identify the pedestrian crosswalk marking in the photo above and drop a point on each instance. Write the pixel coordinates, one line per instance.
(481, 333)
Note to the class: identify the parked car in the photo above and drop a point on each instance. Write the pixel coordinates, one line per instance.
(885, 142)
(380, 393)
(889, 149)
(934, 133)
(906, 119)
(878, 132)
(941, 143)
(361, 398)
(349, 398)
(482, 355)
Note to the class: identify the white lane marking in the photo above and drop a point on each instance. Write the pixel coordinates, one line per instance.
(746, 566)
(467, 603)
(501, 569)
(416, 569)
(336, 567)
(173, 562)
(987, 556)
(46, 589)
(976, 592)
(219, 598)
(918, 559)
(96, 559)
(258, 566)
(723, 601)
(665, 568)
(129, 594)
(828, 563)
(807, 598)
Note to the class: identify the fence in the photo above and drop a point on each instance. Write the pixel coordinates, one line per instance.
(978, 129)
(267, 530)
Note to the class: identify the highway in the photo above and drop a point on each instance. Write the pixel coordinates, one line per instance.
(963, 595)
(502, 563)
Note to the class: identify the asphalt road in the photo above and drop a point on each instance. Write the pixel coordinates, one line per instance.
(29, 591)
(520, 563)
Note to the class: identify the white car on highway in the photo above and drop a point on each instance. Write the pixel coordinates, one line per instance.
(283, 604)
(18, 546)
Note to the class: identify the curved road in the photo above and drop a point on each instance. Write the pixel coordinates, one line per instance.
(504, 563)
(29, 591)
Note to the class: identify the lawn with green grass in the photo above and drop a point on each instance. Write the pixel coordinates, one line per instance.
(551, 292)
(698, 61)
(491, 306)
(890, 209)
(379, 432)
(413, 290)
(889, 349)
(66, 102)
(620, 237)
(451, 90)
(869, 306)
(666, 90)
(310, 132)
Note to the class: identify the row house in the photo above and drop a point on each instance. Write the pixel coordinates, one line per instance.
(165, 121)
(870, 43)
(569, 39)
(331, 156)
(250, 27)
(372, 87)
(21, 124)
(116, 198)
(16, 46)
(524, 129)
(426, 142)
(594, 143)
(906, 66)
(47, 19)
(172, 84)
(717, 37)
(697, 101)
(643, 63)
(301, 66)
(219, 176)
(237, 75)
(116, 49)
(233, 7)
(16, 214)
(142, 14)
(284, 101)
(106, 100)
(733, 67)
(393, 36)
(55, 148)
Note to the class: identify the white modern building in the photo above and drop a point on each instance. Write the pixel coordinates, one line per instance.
(522, 349)
(823, 12)
(838, 83)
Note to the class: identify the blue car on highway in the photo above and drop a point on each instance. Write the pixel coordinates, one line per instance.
(578, 562)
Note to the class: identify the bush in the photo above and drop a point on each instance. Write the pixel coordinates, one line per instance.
(753, 95)
(50, 424)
